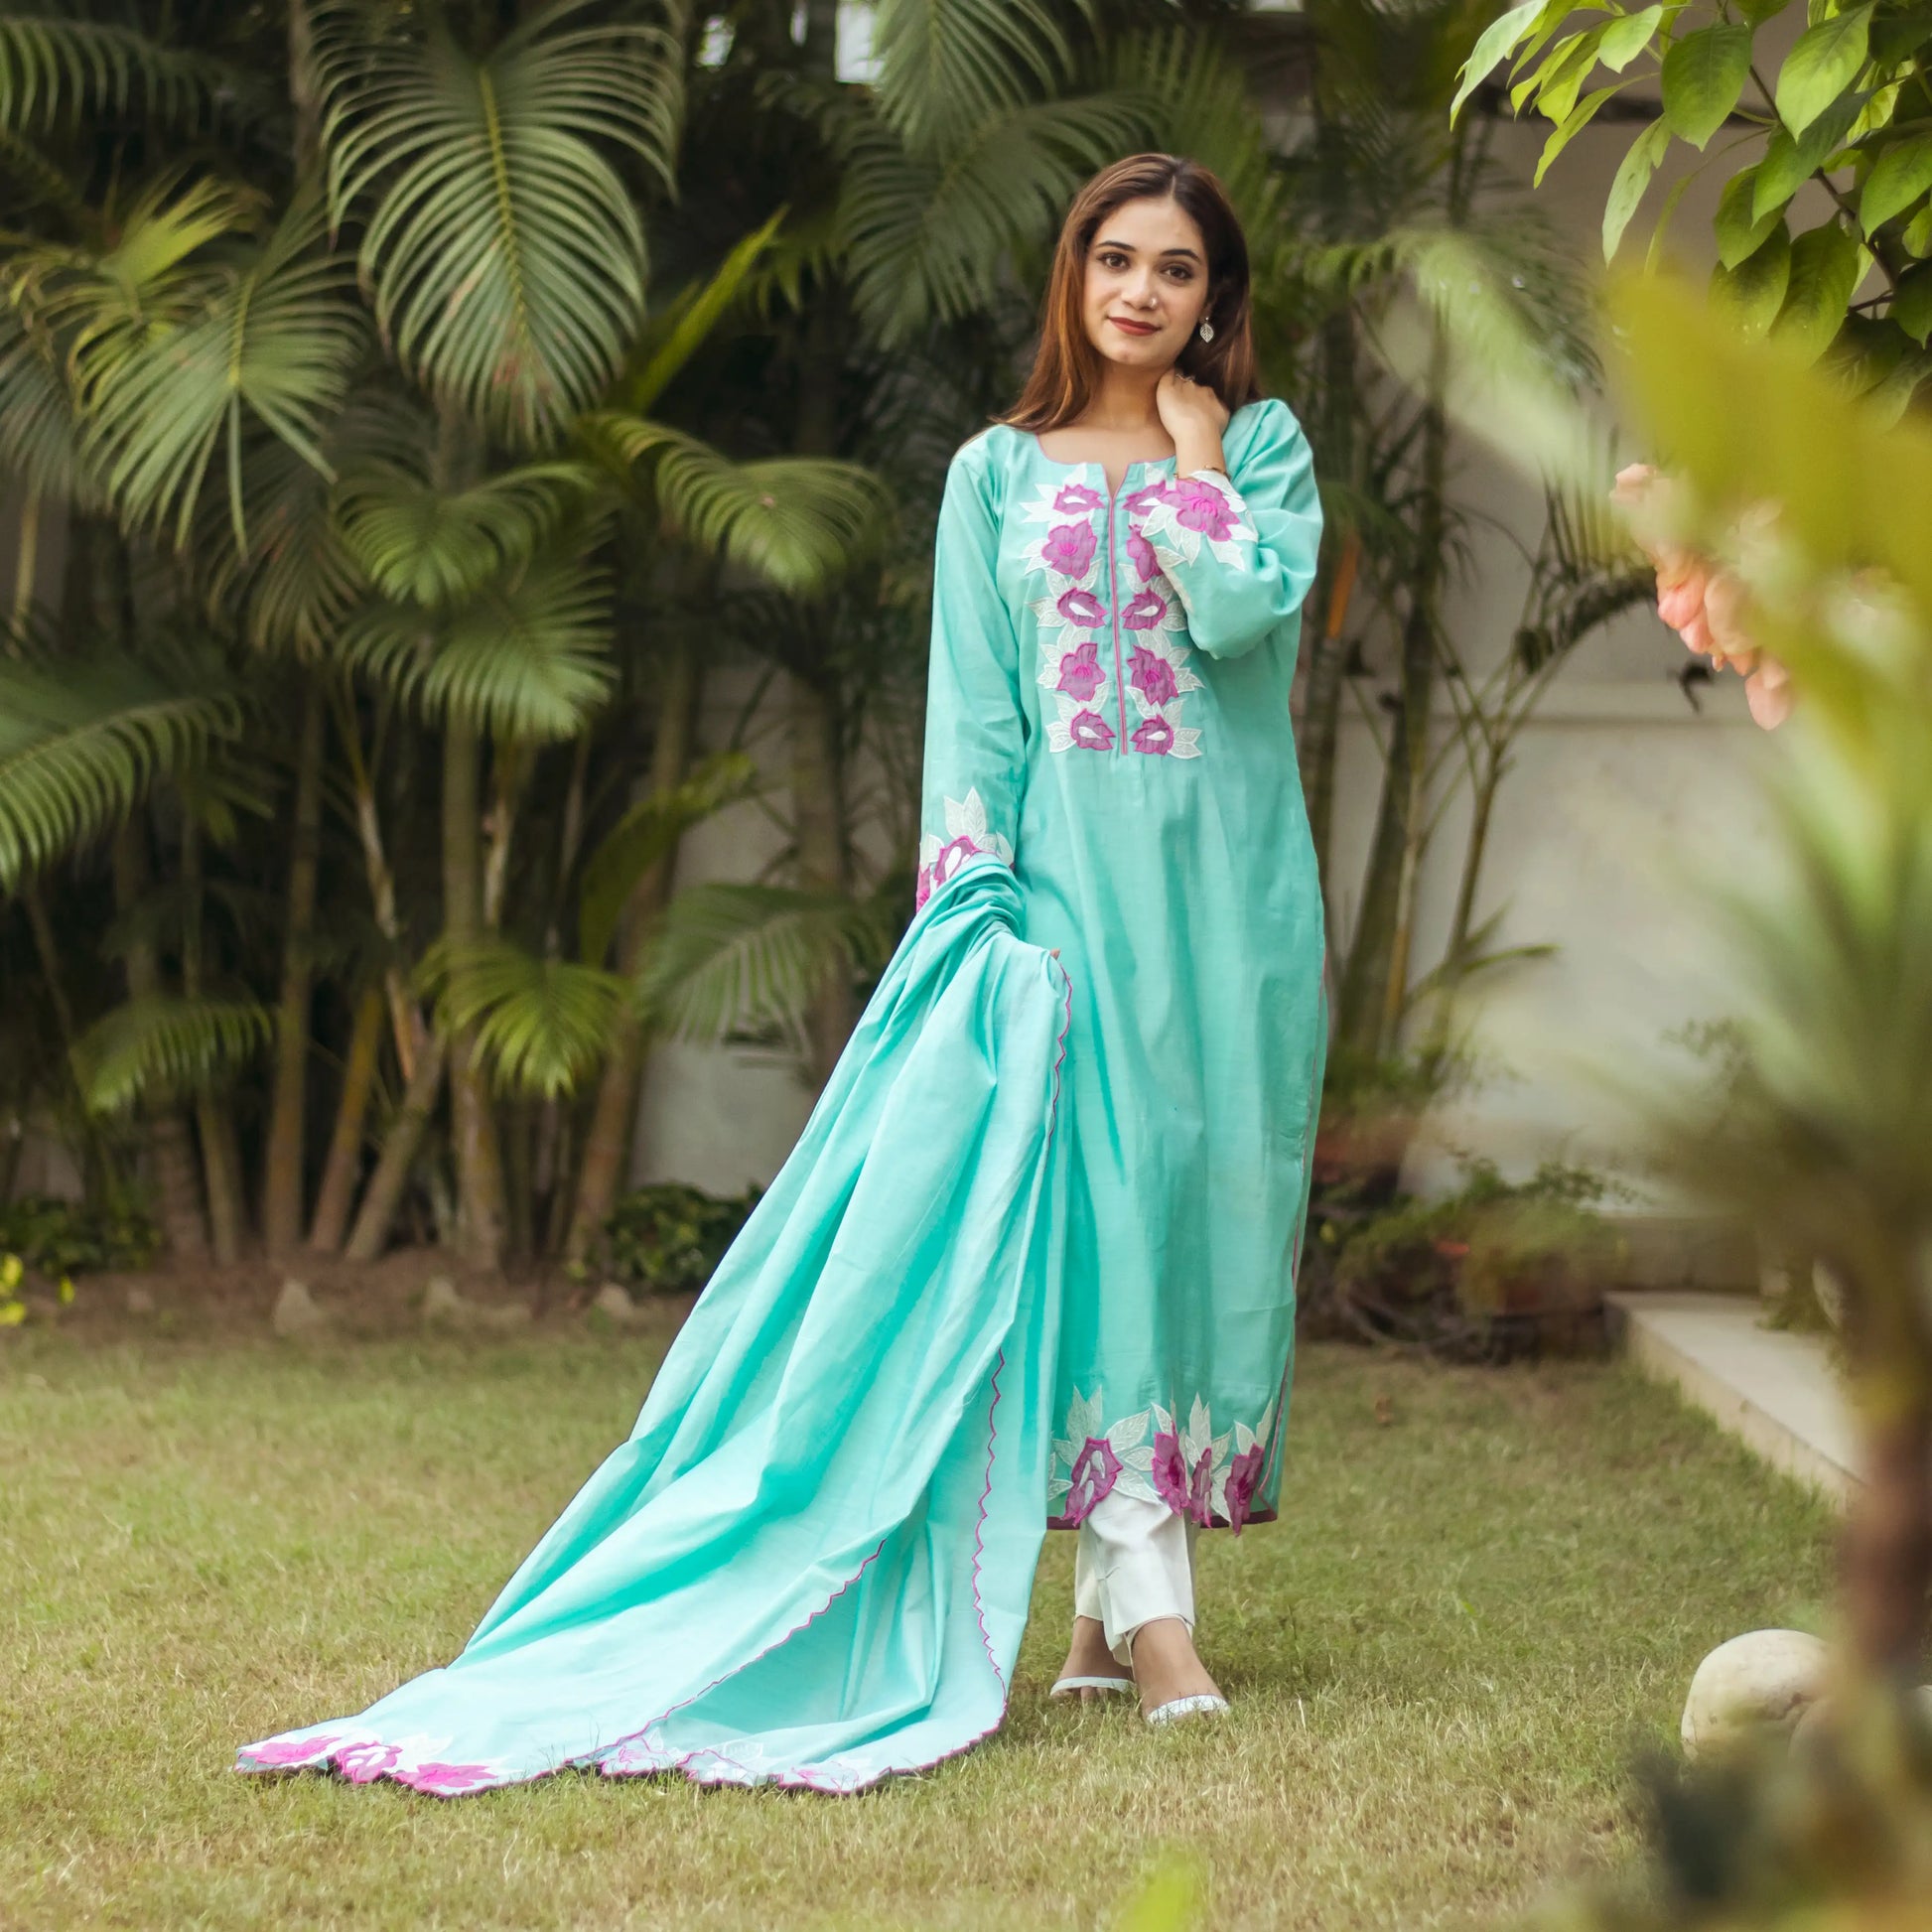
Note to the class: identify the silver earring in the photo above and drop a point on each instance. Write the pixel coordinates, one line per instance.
(1206, 330)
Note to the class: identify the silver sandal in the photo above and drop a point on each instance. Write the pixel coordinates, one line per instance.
(1200, 1705)
(1067, 1686)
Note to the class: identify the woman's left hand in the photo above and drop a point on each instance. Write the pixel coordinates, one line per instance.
(1194, 416)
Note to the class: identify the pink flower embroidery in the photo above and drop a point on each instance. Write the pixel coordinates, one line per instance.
(1094, 1475)
(1146, 564)
(445, 1779)
(1075, 498)
(1080, 672)
(1144, 498)
(1201, 506)
(1244, 1477)
(1081, 608)
(1171, 1471)
(287, 1751)
(1151, 676)
(364, 1763)
(1090, 730)
(1200, 1491)
(925, 891)
(951, 856)
(1153, 736)
(1144, 611)
(1069, 549)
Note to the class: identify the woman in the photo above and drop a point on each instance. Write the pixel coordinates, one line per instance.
(1033, 1253)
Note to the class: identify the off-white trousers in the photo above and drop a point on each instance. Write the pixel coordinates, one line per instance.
(1133, 1562)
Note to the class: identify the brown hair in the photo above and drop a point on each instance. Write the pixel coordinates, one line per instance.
(1066, 366)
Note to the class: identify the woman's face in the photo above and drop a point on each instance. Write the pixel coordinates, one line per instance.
(1146, 282)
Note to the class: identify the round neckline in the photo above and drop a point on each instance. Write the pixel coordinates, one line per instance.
(1089, 463)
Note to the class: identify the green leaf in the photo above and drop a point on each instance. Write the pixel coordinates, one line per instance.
(1757, 12)
(1704, 75)
(81, 741)
(1632, 177)
(1623, 39)
(55, 71)
(1740, 230)
(1753, 291)
(1825, 266)
(1911, 306)
(1901, 174)
(648, 833)
(798, 522)
(1788, 164)
(503, 247)
(1577, 119)
(539, 1027)
(429, 546)
(1918, 233)
(1495, 42)
(1824, 63)
(163, 1046)
(1562, 78)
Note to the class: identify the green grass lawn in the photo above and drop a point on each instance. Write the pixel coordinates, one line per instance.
(1487, 1589)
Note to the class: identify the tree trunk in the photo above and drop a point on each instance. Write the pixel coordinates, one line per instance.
(1374, 983)
(178, 1184)
(606, 1148)
(1887, 1561)
(1320, 741)
(214, 1117)
(479, 1154)
(383, 1195)
(339, 1174)
(284, 1160)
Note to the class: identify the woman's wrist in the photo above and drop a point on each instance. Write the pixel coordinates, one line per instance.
(1198, 449)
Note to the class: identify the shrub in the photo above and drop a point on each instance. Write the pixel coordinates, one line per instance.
(670, 1237)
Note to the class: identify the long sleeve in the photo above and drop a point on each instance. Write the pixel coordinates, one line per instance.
(975, 747)
(1240, 550)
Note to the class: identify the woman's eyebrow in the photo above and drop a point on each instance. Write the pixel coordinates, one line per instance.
(1129, 248)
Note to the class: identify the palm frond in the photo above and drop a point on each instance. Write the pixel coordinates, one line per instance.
(644, 834)
(736, 959)
(296, 585)
(672, 336)
(948, 66)
(182, 354)
(1199, 103)
(163, 1044)
(538, 1025)
(527, 658)
(54, 70)
(503, 250)
(798, 522)
(930, 240)
(40, 442)
(429, 546)
(78, 750)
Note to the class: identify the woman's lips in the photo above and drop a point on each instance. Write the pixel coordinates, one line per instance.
(1133, 328)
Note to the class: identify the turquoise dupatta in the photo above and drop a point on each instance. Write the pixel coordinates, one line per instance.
(811, 1562)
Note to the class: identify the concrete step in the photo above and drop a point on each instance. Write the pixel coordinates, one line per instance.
(1778, 1392)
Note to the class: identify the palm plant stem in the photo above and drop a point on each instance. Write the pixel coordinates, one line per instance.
(283, 1162)
(479, 1153)
(402, 1145)
(607, 1143)
(336, 1195)
(171, 1148)
(220, 1151)
(27, 559)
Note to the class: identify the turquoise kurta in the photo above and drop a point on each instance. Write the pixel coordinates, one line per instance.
(1108, 713)
(1038, 1237)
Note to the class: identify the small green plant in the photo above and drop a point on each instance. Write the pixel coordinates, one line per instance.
(1484, 1272)
(669, 1237)
(65, 1238)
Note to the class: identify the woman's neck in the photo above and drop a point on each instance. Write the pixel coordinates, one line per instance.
(1123, 405)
